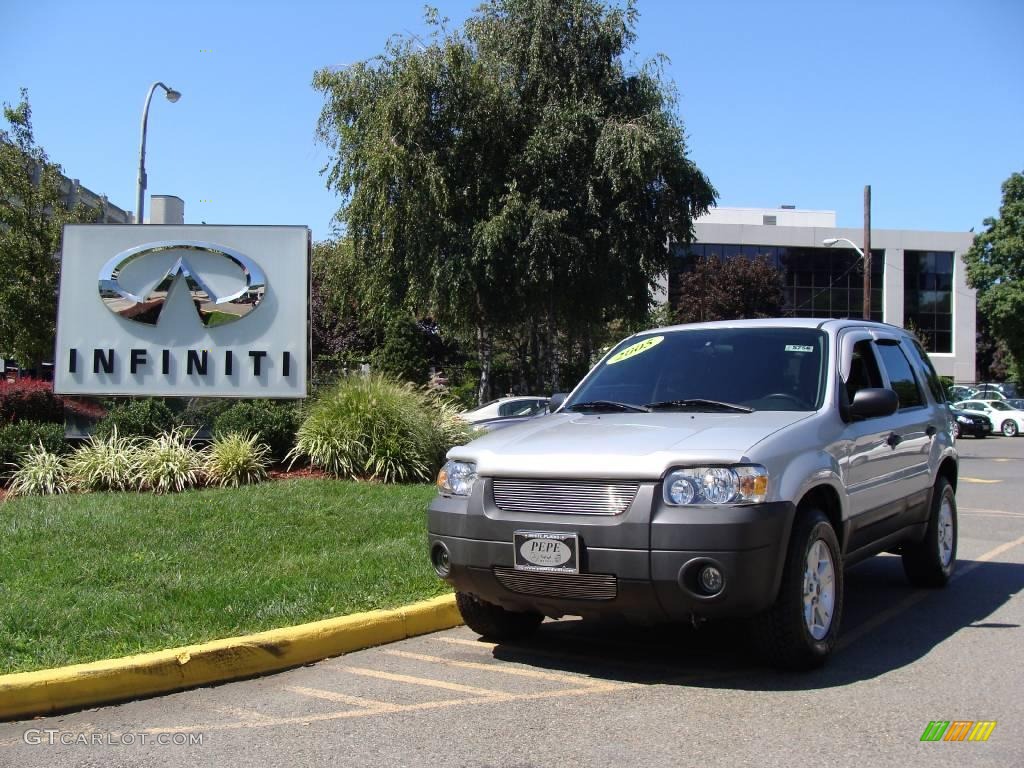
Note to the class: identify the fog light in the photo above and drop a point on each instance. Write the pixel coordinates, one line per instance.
(440, 560)
(711, 580)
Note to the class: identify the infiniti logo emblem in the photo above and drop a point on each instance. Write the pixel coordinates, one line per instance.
(212, 309)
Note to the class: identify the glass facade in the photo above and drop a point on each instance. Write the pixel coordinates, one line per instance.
(928, 297)
(819, 282)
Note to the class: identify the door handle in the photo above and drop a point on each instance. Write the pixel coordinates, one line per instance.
(893, 440)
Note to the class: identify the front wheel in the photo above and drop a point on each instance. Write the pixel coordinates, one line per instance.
(494, 622)
(800, 630)
(1009, 428)
(930, 562)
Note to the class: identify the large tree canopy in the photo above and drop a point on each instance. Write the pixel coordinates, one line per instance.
(32, 217)
(513, 176)
(995, 267)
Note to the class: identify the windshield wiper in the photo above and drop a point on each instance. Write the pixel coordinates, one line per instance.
(607, 405)
(698, 403)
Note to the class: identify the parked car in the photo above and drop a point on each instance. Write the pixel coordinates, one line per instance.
(1005, 418)
(507, 406)
(501, 422)
(969, 424)
(959, 392)
(1017, 403)
(727, 469)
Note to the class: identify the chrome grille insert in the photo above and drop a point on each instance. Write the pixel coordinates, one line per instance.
(571, 586)
(570, 497)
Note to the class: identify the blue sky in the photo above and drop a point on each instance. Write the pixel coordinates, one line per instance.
(790, 101)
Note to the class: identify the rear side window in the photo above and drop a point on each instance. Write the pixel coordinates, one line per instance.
(901, 375)
(934, 382)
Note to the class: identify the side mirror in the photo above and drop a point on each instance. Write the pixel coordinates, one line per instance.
(874, 401)
(556, 401)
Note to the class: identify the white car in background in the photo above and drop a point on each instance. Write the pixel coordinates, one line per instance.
(1005, 418)
(507, 406)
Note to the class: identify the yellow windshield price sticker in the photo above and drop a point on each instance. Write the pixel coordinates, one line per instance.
(635, 349)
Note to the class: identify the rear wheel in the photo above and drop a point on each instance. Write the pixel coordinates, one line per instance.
(1009, 428)
(800, 630)
(930, 562)
(494, 622)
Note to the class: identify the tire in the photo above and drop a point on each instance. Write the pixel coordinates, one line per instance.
(931, 561)
(1009, 428)
(785, 632)
(494, 622)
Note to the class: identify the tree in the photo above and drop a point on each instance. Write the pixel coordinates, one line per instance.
(995, 267)
(729, 289)
(32, 217)
(513, 178)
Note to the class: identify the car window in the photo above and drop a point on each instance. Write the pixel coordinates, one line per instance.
(778, 369)
(864, 372)
(999, 405)
(901, 375)
(931, 377)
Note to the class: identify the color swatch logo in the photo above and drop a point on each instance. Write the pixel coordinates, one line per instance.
(958, 730)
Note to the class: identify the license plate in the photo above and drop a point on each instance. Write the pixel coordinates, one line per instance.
(547, 552)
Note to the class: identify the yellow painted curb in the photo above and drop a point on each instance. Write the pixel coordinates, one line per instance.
(26, 694)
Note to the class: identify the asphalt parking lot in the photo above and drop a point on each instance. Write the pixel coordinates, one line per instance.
(582, 694)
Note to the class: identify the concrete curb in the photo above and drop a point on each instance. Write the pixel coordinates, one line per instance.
(27, 694)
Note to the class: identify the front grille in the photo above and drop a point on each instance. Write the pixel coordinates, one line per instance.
(572, 586)
(571, 497)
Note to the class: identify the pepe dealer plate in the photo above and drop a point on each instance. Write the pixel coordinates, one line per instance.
(546, 552)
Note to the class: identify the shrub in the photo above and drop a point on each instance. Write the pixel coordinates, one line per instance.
(105, 464)
(146, 417)
(41, 473)
(169, 463)
(17, 438)
(236, 459)
(375, 428)
(273, 423)
(30, 400)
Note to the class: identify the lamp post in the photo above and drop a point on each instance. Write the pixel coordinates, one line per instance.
(829, 242)
(140, 202)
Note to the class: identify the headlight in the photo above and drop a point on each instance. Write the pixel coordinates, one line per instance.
(457, 478)
(716, 485)
(963, 419)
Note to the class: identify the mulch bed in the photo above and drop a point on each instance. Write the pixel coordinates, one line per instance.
(298, 473)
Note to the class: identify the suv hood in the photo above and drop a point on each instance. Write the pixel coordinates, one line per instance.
(621, 445)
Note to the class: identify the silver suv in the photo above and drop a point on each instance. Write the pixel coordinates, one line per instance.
(725, 469)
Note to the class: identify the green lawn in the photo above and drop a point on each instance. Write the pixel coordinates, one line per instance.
(95, 576)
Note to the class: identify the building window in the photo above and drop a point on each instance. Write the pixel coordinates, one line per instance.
(769, 221)
(928, 297)
(819, 282)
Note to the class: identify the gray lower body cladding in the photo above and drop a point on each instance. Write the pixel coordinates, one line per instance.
(643, 565)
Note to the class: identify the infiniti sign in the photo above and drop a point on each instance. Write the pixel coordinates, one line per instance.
(183, 311)
(212, 309)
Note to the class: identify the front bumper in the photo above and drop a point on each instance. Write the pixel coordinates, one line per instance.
(641, 565)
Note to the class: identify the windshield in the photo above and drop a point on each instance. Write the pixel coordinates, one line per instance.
(770, 369)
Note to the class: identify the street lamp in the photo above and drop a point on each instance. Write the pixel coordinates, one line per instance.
(829, 242)
(172, 96)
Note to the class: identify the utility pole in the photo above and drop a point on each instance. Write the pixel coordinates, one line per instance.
(867, 251)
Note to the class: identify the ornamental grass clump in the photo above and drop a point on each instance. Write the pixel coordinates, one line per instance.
(40, 473)
(169, 463)
(374, 428)
(105, 464)
(236, 459)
